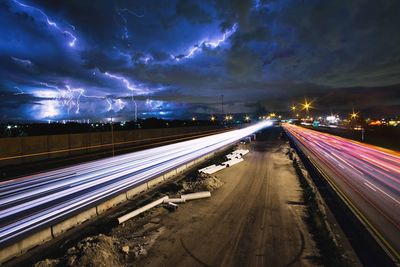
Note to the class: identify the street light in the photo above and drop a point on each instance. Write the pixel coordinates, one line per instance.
(293, 108)
(212, 118)
(354, 115)
(306, 106)
(194, 118)
(247, 118)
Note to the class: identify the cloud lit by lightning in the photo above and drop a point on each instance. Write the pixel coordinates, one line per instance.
(20, 91)
(25, 62)
(51, 23)
(208, 44)
(120, 11)
(129, 86)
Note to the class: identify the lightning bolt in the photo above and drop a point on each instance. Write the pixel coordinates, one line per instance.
(208, 44)
(119, 11)
(51, 23)
(128, 85)
(21, 92)
(22, 61)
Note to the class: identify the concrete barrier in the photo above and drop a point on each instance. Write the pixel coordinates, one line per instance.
(170, 174)
(24, 245)
(136, 191)
(155, 181)
(181, 168)
(111, 203)
(64, 226)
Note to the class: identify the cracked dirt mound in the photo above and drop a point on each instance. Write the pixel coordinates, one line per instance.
(100, 250)
(203, 182)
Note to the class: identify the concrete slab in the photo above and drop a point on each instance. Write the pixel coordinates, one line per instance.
(111, 203)
(136, 191)
(155, 181)
(64, 226)
(170, 174)
(24, 245)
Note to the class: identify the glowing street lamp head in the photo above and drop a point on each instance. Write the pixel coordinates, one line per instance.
(212, 118)
(354, 115)
(306, 105)
(293, 108)
(193, 118)
(247, 118)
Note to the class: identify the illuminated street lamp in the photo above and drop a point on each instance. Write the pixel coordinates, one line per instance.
(293, 108)
(354, 115)
(194, 118)
(306, 106)
(212, 118)
(247, 118)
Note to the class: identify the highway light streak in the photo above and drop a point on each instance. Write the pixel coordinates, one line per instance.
(32, 202)
(368, 175)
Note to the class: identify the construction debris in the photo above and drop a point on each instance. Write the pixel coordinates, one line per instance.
(141, 210)
(234, 157)
(171, 206)
(174, 200)
(166, 200)
(232, 162)
(213, 169)
(197, 195)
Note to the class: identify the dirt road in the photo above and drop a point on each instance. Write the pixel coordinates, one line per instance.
(255, 219)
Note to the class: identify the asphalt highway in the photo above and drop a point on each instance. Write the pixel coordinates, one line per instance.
(368, 176)
(33, 202)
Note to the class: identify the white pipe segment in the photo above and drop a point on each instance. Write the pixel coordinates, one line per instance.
(197, 195)
(136, 212)
(175, 200)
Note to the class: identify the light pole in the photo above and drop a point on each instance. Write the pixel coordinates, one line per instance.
(112, 136)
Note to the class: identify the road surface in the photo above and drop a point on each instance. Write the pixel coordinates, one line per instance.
(368, 176)
(30, 203)
(255, 219)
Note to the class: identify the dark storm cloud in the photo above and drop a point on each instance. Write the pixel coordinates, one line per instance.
(184, 54)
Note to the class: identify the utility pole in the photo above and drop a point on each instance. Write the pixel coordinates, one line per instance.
(134, 108)
(222, 107)
(112, 136)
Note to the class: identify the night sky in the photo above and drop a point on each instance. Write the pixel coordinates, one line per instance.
(80, 59)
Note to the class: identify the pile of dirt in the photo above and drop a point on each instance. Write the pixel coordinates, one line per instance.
(203, 182)
(47, 263)
(99, 250)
